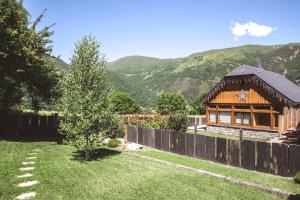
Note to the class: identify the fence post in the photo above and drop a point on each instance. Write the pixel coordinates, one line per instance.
(240, 144)
(195, 125)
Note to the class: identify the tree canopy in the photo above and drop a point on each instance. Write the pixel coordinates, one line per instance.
(23, 52)
(123, 103)
(170, 103)
(84, 101)
(198, 107)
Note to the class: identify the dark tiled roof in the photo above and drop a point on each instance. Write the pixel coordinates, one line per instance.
(282, 85)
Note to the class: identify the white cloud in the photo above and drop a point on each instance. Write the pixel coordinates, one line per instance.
(250, 28)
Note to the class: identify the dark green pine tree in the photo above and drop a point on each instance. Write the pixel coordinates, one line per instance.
(23, 57)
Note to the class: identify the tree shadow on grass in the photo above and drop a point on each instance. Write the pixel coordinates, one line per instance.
(96, 154)
(294, 197)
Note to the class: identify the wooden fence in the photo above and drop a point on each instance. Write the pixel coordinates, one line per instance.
(274, 158)
(29, 126)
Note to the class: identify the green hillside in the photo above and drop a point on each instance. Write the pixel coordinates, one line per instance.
(199, 72)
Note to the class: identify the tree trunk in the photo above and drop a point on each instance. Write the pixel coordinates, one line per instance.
(87, 148)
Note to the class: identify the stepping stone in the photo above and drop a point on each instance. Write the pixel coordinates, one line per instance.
(36, 150)
(30, 158)
(28, 183)
(27, 195)
(25, 175)
(26, 168)
(32, 154)
(28, 163)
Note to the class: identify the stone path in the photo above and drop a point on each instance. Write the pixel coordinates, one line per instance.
(28, 166)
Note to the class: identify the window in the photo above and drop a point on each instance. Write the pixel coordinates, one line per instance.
(225, 117)
(262, 119)
(212, 117)
(242, 118)
(246, 119)
(238, 118)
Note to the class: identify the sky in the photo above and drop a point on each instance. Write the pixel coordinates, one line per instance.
(167, 28)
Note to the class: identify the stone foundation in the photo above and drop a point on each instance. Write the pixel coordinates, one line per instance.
(248, 133)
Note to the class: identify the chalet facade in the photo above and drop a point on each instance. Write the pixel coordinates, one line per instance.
(254, 99)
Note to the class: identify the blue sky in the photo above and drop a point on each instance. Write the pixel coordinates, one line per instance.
(167, 28)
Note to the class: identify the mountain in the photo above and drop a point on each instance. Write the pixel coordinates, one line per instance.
(146, 77)
(118, 82)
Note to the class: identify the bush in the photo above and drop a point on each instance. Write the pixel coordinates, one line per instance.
(177, 121)
(150, 124)
(297, 177)
(113, 143)
(171, 102)
(123, 103)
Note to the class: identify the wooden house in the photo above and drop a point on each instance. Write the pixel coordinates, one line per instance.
(255, 99)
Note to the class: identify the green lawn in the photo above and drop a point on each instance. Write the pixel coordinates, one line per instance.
(112, 175)
(284, 183)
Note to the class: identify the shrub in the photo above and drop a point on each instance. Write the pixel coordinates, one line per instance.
(297, 177)
(150, 124)
(171, 102)
(177, 121)
(113, 143)
(123, 103)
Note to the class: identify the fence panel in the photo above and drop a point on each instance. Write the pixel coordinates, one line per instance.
(25, 124)
(279, 159)
(146, 133)
(189, 145)
(248, 154)
(200, 151)
(44, 125)
(294, 159)
(181, 143)
(34, 125)
(233, 153)
(151, 138)
(174, 142)
(165, 142)
(210, 148)
(263, 157)
(158, 139)
(221, 150)
(140, 135)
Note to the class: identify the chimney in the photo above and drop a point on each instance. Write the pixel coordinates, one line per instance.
(258, 64)
(284, 72)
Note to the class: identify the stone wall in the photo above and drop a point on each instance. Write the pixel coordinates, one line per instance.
(249, 133)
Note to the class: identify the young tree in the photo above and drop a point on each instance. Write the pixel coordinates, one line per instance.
(85, 92)
(170, 103)
(123, 103)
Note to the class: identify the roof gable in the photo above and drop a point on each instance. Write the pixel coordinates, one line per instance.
(281, 84)
(285, 90)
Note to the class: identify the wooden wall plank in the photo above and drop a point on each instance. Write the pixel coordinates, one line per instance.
(263, 157)
(200, 149)
(189, 144)
(158, 139)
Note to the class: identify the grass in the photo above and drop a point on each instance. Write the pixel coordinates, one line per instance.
(284, 183)
(111, 175)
